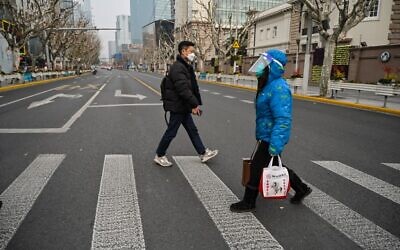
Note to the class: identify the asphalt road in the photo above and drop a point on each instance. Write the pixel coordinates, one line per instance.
(77, 172)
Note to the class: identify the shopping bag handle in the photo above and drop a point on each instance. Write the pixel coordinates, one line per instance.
(272, 160)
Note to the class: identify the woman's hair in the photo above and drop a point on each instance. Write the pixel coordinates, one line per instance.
(262, 80)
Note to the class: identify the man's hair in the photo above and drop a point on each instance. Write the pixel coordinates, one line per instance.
(183, 45)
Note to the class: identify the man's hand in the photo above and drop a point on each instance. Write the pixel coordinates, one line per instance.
(196, 111)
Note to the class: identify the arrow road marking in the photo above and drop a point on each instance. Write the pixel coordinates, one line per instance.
(51, 99)
(118, 93)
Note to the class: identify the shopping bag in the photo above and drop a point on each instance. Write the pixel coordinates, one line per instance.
(246, 171)
(274, 183)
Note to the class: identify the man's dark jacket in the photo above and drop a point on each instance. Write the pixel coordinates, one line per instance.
(181, 90)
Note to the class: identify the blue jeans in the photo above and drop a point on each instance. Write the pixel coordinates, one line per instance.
(175, 121)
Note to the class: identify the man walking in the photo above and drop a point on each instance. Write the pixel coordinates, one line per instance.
(181, 96)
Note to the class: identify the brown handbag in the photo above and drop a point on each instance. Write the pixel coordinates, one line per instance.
(247, 165)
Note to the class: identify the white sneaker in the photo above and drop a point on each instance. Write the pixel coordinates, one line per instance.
(162, 161)
(208, 155)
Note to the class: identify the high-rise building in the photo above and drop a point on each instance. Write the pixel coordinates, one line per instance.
(162, 9)
(123, 35)
(112, 49)
(141, 14)
(188, 11)
(87, 11)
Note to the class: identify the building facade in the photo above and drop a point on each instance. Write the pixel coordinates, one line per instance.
(141, 14)
(112, 49)
(271, 30)
(123, 35)
(156, 35)
(237, 9)
(162, 10)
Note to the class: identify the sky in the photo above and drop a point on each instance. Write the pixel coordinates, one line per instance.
(105, 14)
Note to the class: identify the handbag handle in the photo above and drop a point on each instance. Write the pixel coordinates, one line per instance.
(272, 160)
(255, 149)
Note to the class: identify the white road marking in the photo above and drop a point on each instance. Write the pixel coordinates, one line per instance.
(51, 99)
(247, 101)
(215, 93)
(71, 121)
(393, 165)
(125, 105)
(359, 229)
(118, 223)
(20, 196)
(240, 231)
(118, 93)
(229, 96)
(205, 90)
(8, 103)
(33, 130)
(367, 181)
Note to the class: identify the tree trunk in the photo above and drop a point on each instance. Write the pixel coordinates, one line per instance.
(327, 65)
(15, 55)
(201, 64)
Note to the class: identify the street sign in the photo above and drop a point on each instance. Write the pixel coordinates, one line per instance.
(235, 44)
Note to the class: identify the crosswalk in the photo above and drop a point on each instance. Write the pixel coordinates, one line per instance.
(118, 220)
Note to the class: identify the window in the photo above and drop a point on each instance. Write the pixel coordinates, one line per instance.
(275, 32)
(374, 11)
(261, 36)
(268, 32)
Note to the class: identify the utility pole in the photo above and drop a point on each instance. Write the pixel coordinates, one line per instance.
(236, 35)
(306, 73)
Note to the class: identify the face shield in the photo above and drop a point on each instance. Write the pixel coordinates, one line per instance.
(263, 61)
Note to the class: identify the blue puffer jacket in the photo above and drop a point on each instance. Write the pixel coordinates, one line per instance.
(274, 108)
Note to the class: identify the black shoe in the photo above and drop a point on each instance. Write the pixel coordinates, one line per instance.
(1, 204)
(299, 196)
(242, 206)
(248, 204)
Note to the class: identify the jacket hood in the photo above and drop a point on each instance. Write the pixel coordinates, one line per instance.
(276, 71)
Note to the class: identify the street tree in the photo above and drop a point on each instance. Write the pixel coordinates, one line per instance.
(21, 23)
(224, 32)
(350, 13)
(199, 33)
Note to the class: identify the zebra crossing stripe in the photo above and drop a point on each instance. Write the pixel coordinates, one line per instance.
(247, 101)
(118, 224)
(393, 165)
(367, 181)
(240, 231)
(20, 196)
(356, 227)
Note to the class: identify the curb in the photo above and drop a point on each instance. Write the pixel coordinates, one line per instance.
(321, 100)
(27, 85)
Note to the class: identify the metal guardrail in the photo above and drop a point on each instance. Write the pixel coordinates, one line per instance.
(382, 90)
(6, 80)
(244, 81)
(251, 82)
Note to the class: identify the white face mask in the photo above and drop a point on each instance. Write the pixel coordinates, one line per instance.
(191, 57)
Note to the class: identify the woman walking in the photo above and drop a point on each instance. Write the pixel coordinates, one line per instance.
(273, 124)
